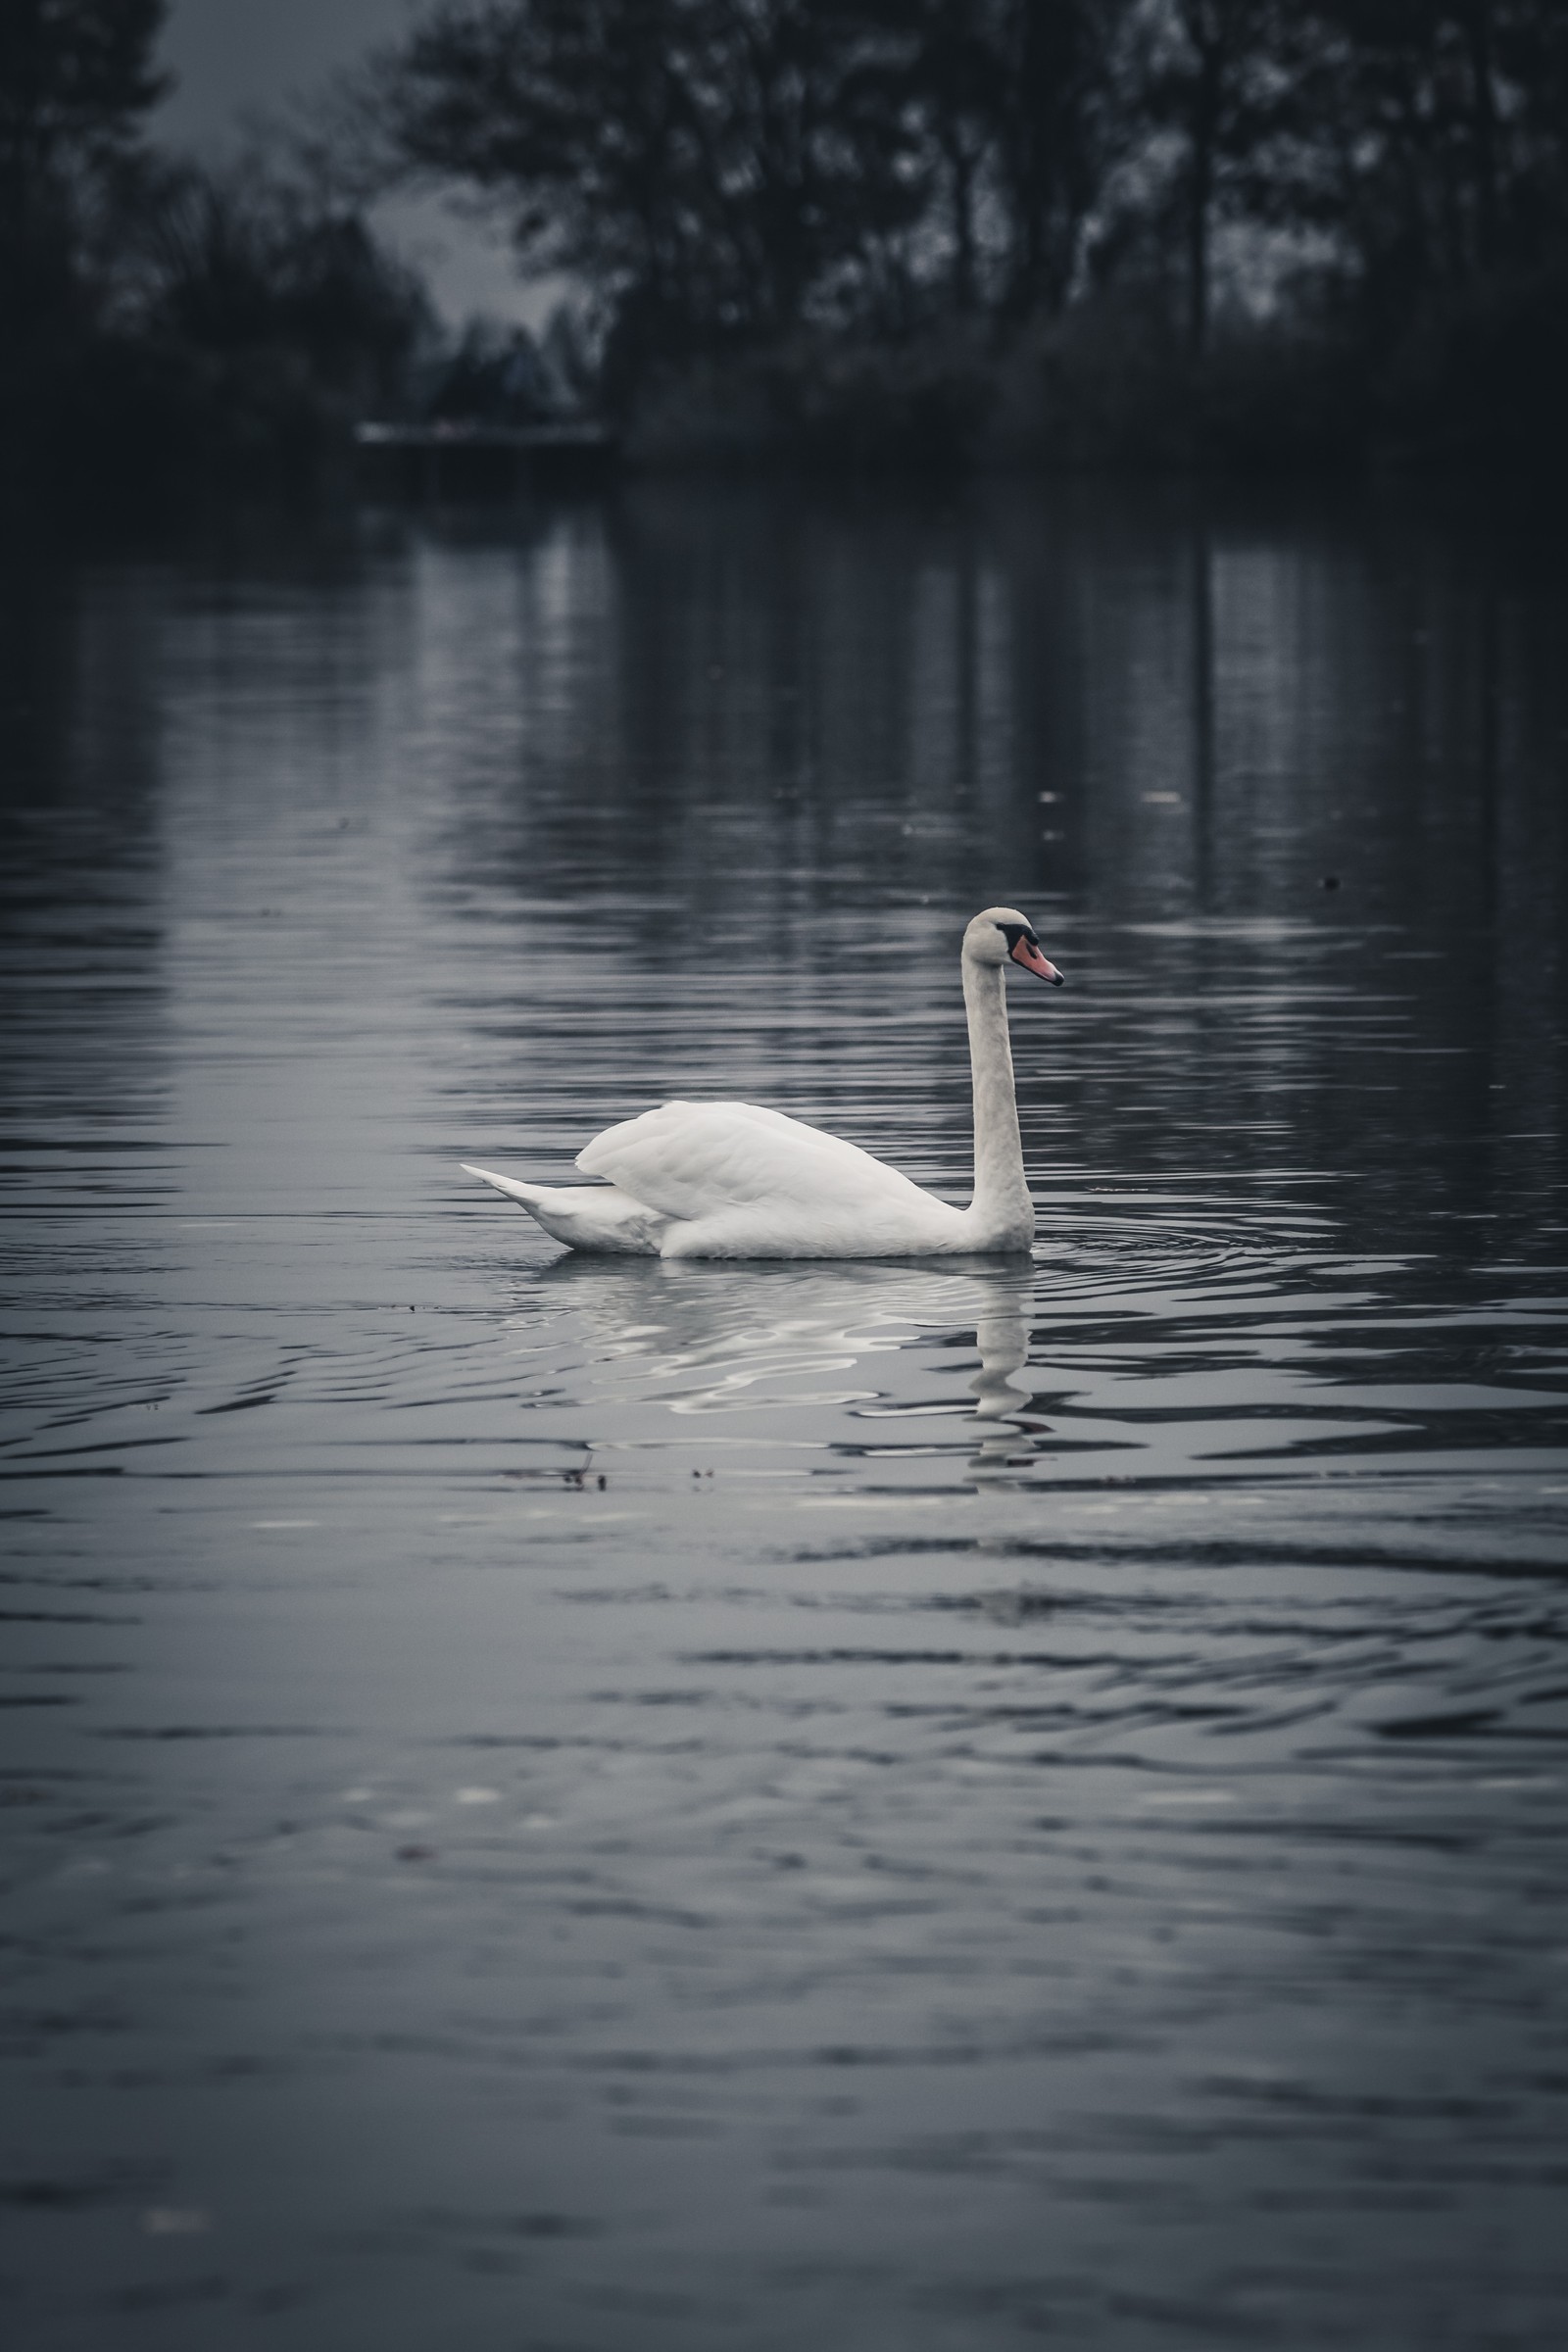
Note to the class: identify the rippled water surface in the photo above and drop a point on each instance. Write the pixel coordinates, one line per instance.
(572, 1806)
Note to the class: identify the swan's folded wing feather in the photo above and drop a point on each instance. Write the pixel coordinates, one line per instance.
(693, 1160)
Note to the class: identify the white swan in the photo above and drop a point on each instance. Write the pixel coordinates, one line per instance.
(730, 1180)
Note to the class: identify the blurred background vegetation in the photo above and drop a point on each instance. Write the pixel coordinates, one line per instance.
(1158, 232)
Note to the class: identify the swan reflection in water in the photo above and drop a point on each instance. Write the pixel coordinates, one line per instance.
(704, 1338)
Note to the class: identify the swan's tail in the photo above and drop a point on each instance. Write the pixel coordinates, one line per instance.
(530, 1194)
(586, 1216)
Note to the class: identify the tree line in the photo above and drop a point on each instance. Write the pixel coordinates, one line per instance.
(1381, 183)
(1062, 229)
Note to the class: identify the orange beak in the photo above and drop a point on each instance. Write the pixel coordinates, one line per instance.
(1033, 961)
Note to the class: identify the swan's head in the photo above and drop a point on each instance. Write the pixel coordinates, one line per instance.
(1001, 935)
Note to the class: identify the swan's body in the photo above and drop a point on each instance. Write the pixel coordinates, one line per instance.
(732, 1180)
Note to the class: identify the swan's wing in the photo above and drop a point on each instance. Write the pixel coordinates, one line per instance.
(693, 1160)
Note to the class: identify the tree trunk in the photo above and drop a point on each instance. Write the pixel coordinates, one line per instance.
(1483, 126)
(1198, 199)
(961, 172)
(1202, 135)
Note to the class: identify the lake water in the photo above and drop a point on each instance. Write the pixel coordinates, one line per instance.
(573, 1806)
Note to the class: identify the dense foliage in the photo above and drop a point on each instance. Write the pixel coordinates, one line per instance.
(1202, 197)
(166, 322)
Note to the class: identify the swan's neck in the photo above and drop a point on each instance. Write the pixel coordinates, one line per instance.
(1001, 1194)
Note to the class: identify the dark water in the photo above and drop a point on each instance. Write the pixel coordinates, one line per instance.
(561, 1807)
